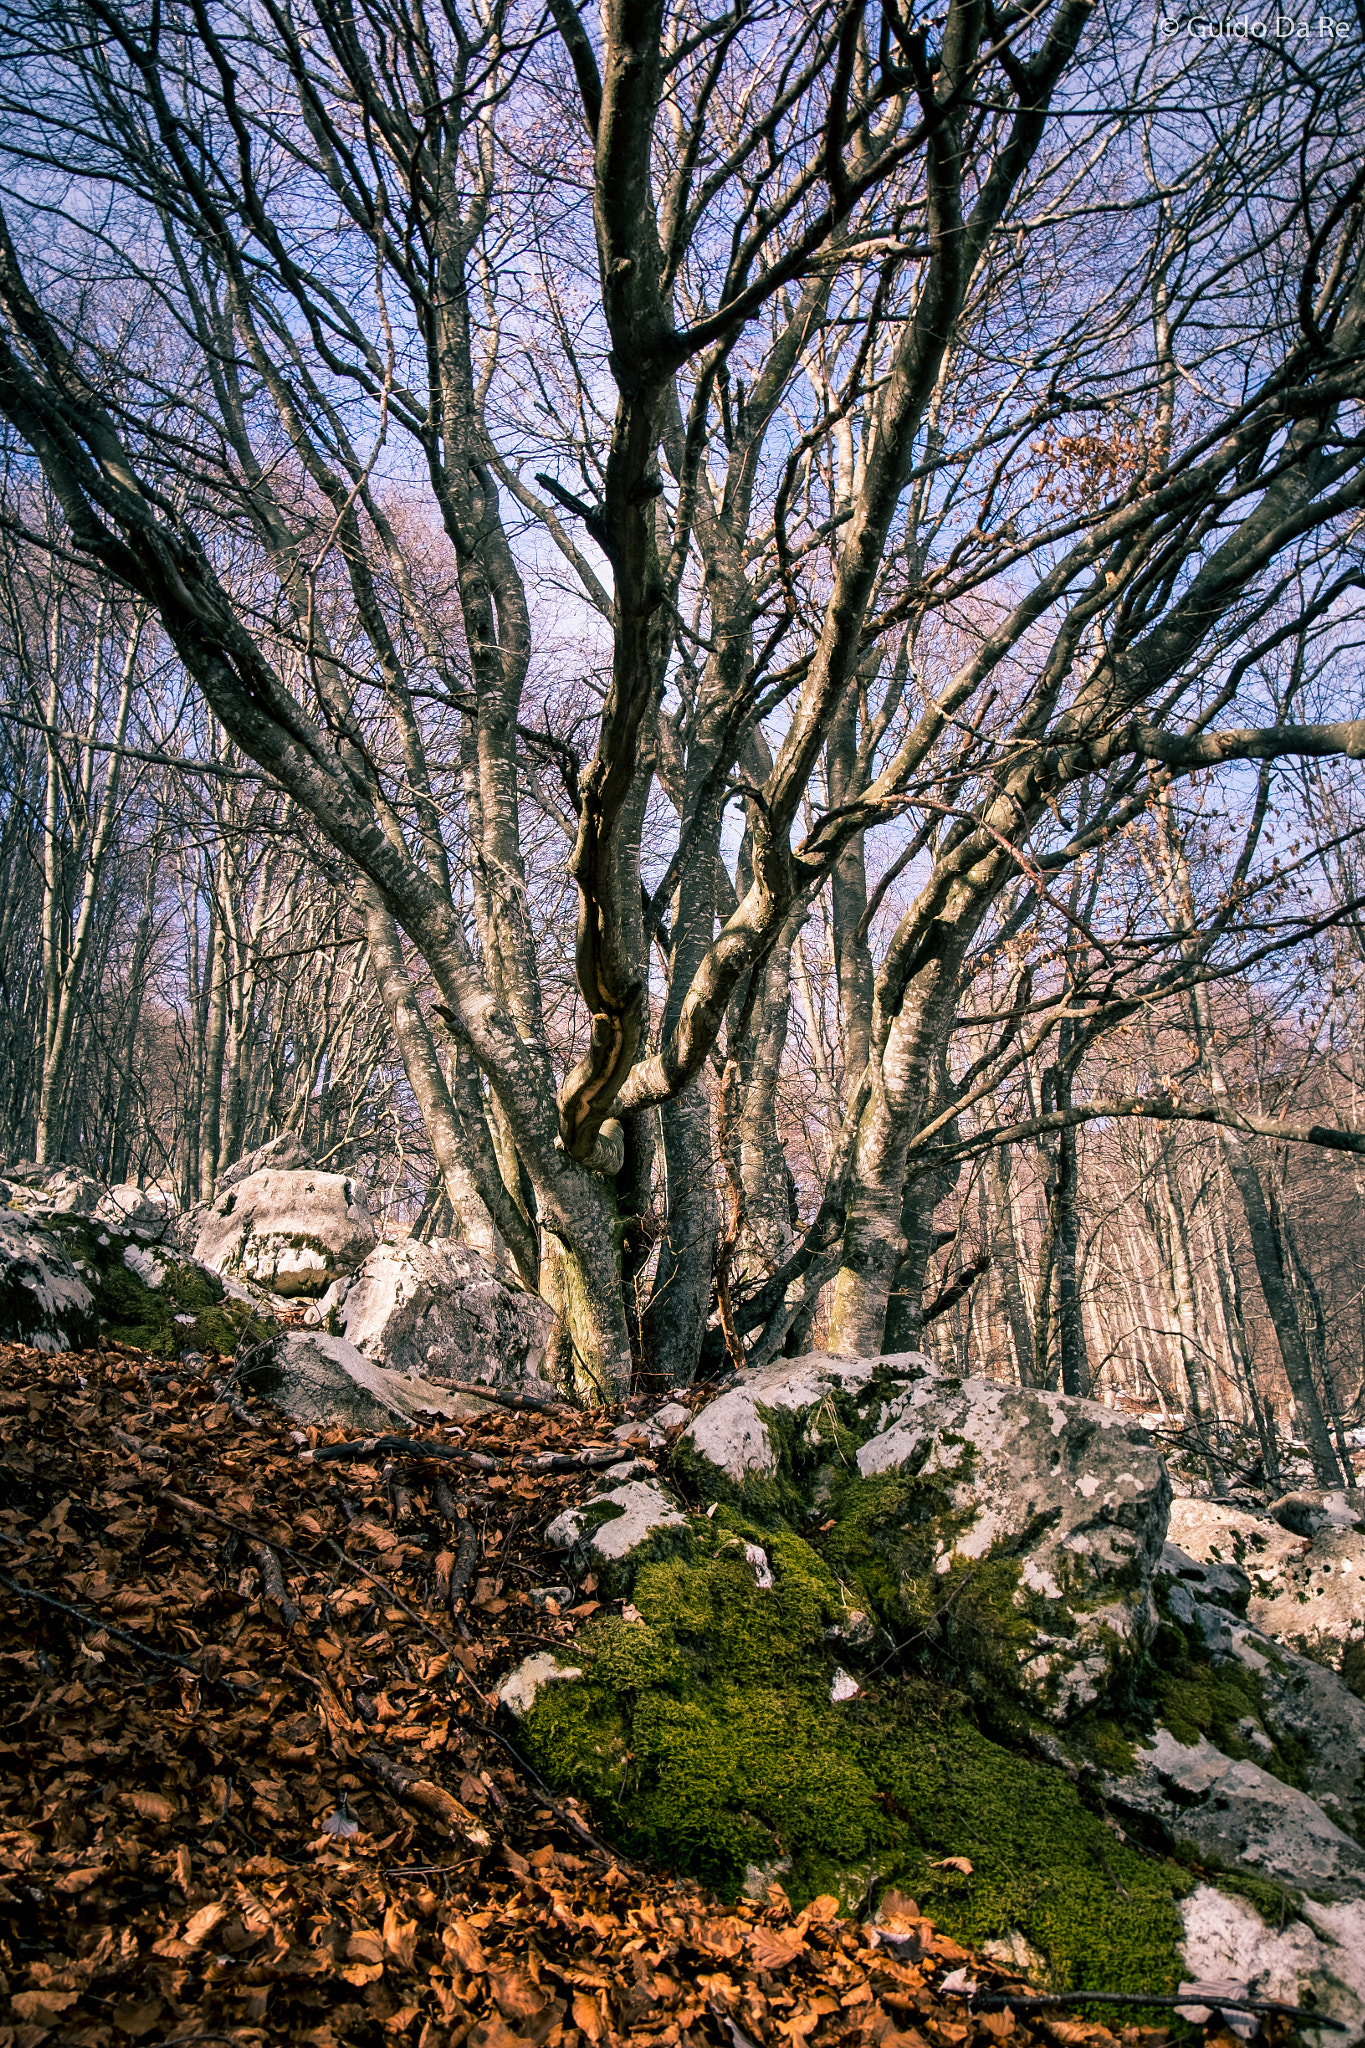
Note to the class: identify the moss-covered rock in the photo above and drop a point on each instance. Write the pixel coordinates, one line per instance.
(1023, 1526)
(188, 1310)
(704, 1735)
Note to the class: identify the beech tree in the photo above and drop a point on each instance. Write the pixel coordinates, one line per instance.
(752, 444)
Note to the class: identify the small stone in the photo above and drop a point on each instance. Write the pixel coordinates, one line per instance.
(842, 1687)
(519, 1689)
(552, 1597)
(762, 1570)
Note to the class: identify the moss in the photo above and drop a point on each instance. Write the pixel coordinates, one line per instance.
(133, 1313)
(1353, 1668)
(704, 1736)
(1186, 1692)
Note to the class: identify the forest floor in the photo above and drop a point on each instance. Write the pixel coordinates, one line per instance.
(251, 1785)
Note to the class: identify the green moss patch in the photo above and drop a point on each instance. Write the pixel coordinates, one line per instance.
(1183, 1690)
(704, 1736)
(133, 1313)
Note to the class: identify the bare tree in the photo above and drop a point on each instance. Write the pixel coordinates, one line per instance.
(931, 434)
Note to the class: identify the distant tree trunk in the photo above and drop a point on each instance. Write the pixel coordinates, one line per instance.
(215, 1037)
(1267, 1253)
(998, 1201)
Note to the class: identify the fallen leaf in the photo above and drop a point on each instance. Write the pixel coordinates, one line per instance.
(773, 1950)
(954, 1863)
(151, 1806)
(203, 1923)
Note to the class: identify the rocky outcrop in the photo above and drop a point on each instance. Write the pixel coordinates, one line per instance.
(1065, 1500)
(1237, 1815)
(1314, 1958)
(43, 1191)
(619, 1531)
(285, 1154)
(324, 1380)
(43, 1300)
(1304, 1558)
(133, 1211)
(440, 1310)
(292, 1231)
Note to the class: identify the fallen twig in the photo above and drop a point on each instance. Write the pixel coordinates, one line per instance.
(528, 1403)
(403, 1446)
(233, 1402)
(272, 1583)
(479, 1461)
(465, 1560)
(98, 1623)
(561, 1813)
(999, 2001)
(434, 1799)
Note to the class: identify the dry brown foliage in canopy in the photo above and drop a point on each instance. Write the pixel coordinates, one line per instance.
(235, 1815)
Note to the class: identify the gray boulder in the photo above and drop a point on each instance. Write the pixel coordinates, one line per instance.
(291, 1231)
(441, 1311)
(43, 1191)
(1314, 1958)
(1073, 1495)
(1310, 1509)
(133, 1212)
(324, 1380)
(43, 1300)
(1237, 1814)
(1065, 1501)
(1305, 1560)
(1307, 1707)
(285, 1153)
(618, 1531)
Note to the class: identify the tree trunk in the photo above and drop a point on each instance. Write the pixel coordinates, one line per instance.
(1003, 1247)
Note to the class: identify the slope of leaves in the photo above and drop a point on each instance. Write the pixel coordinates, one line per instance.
(251, 1789)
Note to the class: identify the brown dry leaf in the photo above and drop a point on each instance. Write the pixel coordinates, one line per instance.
(42, 2007)
(400, 1938)
(586, 2017)
(772, 1949)
(136, 2017)
(961, 1863)
(361, 1974)
(204, 1923)
(461, 1942)
(518, 1998)
(365, 1946)
(493, 2033)
(184, 1869)
(151, 1806)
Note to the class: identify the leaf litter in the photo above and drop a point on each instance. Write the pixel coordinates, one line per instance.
(251, 1786)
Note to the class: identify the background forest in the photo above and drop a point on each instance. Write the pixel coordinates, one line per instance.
(722, 652)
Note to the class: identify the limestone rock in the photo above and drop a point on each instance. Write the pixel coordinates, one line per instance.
(324, 1380)
(291, 1231)
(731, 1436)
(441, 1311)
(150, 1270)
(1307, 1591)
(1222, 1585)
(1311, 1509)
(43, 1300)
(1308, 1704)
(43, 1191)
(655, 1428)
(1238, 1814)
(518, 1690)
(285, 1153)
(1073, 1493)
(1317, 1958)
(616, 1532)
(133, 1211)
